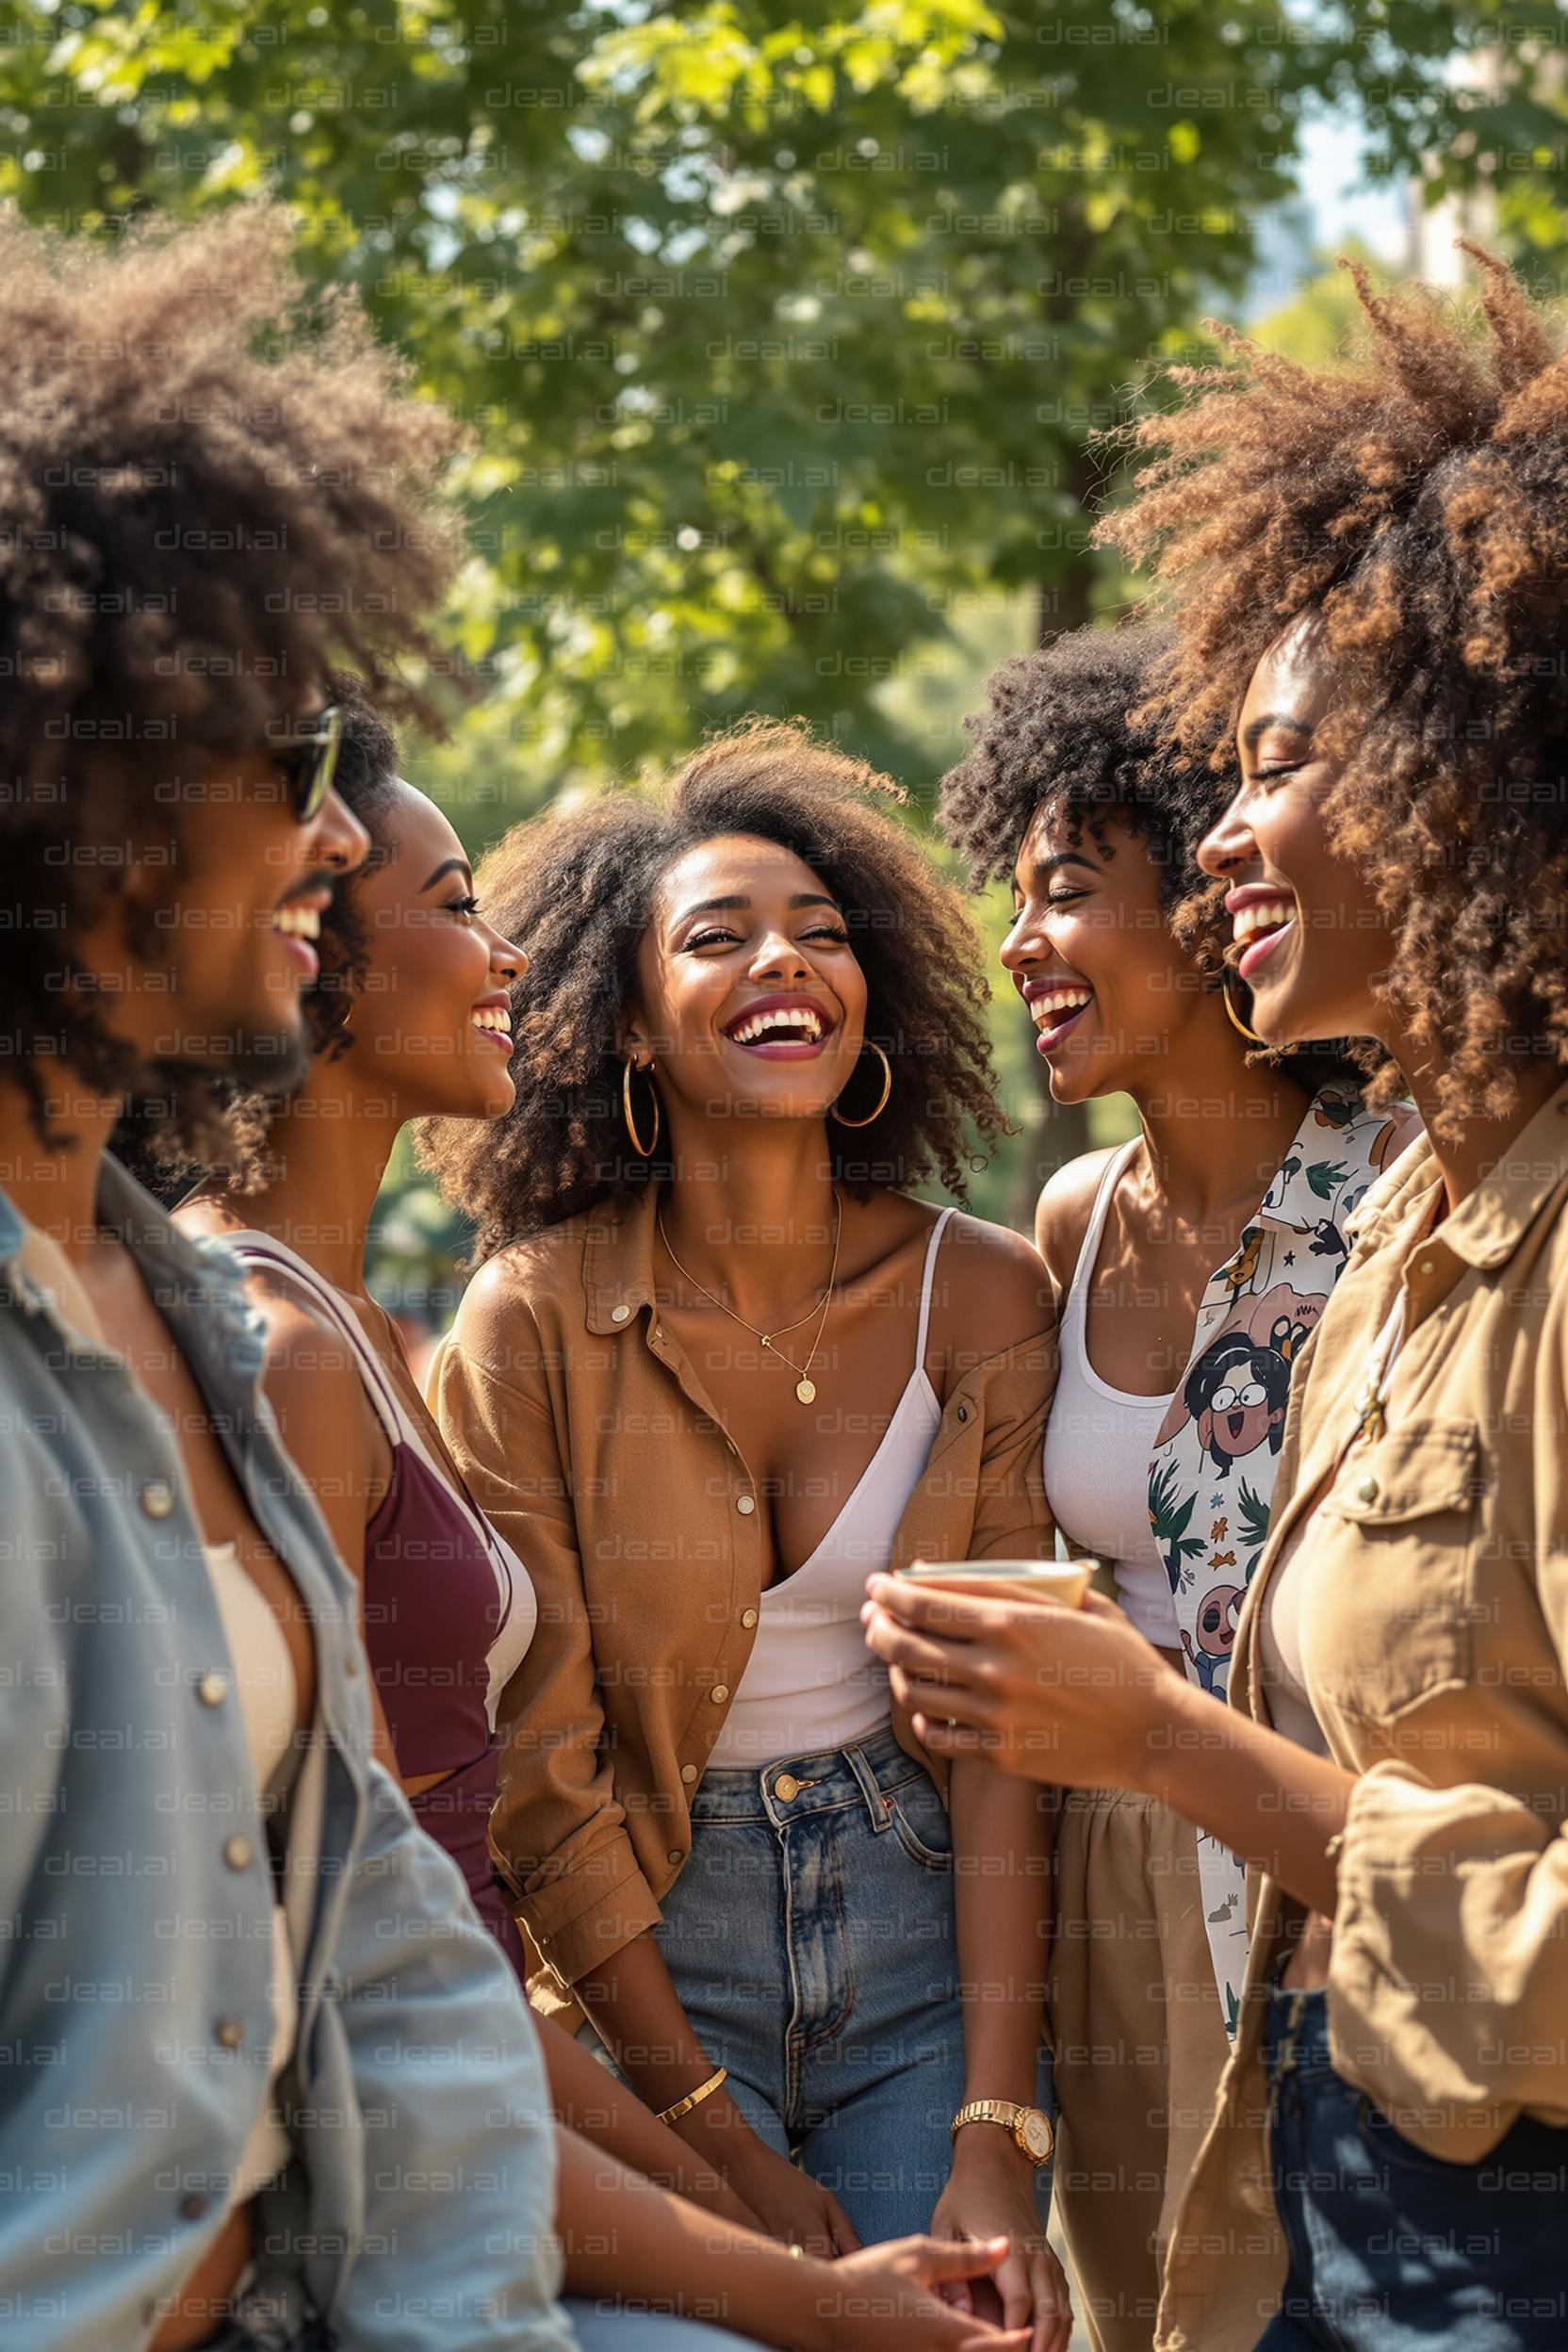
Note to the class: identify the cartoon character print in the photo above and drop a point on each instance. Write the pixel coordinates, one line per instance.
(1218, 1612)
(1237, 1390)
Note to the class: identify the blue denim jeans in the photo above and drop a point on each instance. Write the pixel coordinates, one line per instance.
(1393, 2250)
(810, 1939)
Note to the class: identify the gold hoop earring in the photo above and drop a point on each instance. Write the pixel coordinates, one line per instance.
(646, 1149)
(1236, 1020)
(881, 1100)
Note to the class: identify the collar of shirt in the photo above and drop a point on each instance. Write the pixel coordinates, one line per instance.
(197, 1286)
(1489, 1225)
(617, 1260)
(1295, 1201)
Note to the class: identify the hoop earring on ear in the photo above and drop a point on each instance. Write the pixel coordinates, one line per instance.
(645, 1149)
(834, 1111)
(341, 999)
(1236, 1020)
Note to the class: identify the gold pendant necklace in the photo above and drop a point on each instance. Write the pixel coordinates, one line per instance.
(1371, 1405)
(805, 1388)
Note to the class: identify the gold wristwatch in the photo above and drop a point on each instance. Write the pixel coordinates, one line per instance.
(1031, 2129)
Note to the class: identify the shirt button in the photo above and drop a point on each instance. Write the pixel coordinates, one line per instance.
(687, 1773)
(719, 1693)
(673, 1855)
(749, 1618)
(157, 1498)
(963, 1413)
(213, 1690)
(620, 1314)
(230, 2033)
(239, 1853)
(193, 2206)
(1367, 1491)
(746, 1505)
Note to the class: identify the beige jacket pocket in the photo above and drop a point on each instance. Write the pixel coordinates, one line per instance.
(1399, 1608)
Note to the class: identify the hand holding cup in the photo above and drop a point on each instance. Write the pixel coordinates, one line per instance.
(1017, 1662)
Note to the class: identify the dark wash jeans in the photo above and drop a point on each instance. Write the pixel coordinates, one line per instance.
(1393, 2250)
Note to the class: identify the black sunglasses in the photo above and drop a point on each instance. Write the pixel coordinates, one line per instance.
(309, 759)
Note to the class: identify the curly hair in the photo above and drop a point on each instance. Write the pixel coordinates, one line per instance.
(207, 1125)
(205, 502)
(1073, 724)
(1417, 498)
(576, 888)
(1060, 727)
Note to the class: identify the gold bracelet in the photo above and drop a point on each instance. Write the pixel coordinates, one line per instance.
(694, 2099)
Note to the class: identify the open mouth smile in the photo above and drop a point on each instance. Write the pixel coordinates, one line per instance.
(781, 1029)
(494, 1022)
(1258, 923)
(1055, 1007)
(298, 924)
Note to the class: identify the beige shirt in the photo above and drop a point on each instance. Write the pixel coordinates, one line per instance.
(585, 1433)
(1433, 1624)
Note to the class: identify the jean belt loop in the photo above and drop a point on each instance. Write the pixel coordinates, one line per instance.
(877, 1806)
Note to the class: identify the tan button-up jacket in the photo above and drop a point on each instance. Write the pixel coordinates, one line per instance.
(584, 1432)
(1434, 1626)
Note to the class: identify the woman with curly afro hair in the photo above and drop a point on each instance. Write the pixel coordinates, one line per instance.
(718, 1364)
(1189, 1264)
(1374, 567)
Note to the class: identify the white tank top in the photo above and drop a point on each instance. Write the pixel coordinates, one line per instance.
(1099, 1444)
(810, 1683)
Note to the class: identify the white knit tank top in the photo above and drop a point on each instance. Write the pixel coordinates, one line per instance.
(1099, 1443)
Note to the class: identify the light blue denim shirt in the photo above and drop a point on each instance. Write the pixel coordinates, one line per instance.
(135, 2022)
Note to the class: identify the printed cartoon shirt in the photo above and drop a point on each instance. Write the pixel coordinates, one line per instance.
(1211, 1481)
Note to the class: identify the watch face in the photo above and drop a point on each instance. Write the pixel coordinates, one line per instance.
(1036, 2134)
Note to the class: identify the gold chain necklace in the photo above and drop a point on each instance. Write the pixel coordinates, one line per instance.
(805, 1388)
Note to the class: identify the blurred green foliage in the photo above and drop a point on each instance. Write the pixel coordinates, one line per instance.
(782, 329)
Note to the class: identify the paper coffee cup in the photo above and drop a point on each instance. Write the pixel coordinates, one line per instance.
(1064, 1581)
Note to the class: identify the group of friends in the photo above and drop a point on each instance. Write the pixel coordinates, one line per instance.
(508, 1860)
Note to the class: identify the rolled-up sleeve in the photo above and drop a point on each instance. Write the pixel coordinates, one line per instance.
(1448, 1984)
(449, 2077)
(559, 1831)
